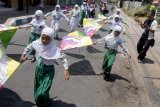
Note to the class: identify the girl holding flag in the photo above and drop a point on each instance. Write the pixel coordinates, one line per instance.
(46, 53)
(37, 24)
(56, 17)
(75, 18)
(112, 42)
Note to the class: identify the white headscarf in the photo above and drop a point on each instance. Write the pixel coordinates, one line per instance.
(49, 51)
(118, 28)
(58, 7)
(76, 11)
(41, 21)
(116, 16)
(57, 13)
(118, 10)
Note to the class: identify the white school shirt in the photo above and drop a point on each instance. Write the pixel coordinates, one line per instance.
(62, 56)
(113, 42)
(112, 24)
(76, 13)
(56, 15)
(152, 27)
(37, 28)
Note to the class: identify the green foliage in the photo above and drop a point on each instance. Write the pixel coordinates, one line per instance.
(140, 12)
(147, 7)
(129, 13)
(158, 19)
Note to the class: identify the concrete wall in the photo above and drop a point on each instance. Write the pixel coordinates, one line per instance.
(130, 6)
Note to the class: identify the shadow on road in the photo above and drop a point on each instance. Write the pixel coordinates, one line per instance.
(14, 56)
(91, 49)
(9, 98)
(104, 30)
(78, 56)
(59, 103)
(96, 36)
(62, 30)
(82, 67)
(115, 77)
(148, 61)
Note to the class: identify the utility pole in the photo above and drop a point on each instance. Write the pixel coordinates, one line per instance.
(27, 7)
(57, 1)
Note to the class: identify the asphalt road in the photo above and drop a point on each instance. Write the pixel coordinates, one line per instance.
(84, 89)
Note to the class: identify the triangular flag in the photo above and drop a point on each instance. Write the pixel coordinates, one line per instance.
(7, 67)
(6, 34)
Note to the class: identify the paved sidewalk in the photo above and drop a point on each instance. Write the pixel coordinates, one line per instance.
(147, 74)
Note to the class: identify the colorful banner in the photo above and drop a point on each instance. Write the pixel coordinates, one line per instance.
(75, 39)
(6, 34)
(7, 67)
(91, 26)
(101, 16)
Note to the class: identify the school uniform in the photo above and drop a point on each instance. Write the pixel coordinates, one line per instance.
(36, 27)
(113, 23)
(56, 17)
(46, 56)
(84, 12)
(75, 19)
(112, 42)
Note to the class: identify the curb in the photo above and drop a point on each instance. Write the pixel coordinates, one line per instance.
(17, 21)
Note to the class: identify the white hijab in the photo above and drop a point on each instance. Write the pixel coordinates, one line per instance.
(41, 21)
(116, 16)
(118, 28)
(59, 11)
(76, 11)
(49, 51)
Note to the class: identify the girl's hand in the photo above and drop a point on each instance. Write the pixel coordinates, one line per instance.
(94, 43)
(23, 58)
(66, 74)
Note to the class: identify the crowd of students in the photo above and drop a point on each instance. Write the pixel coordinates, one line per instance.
(45, 52)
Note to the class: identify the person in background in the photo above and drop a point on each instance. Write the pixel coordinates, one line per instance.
(75, 18)
(37, 25)
(92, 10)
(104, 9)
(147, 39)
(84, 12)
(41, 5)
(114, 22)
(56, 17)
(46, 53)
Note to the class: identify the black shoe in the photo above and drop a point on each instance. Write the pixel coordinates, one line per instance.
(140, 60)
(33, 59)
(56, 37)
(106, 76)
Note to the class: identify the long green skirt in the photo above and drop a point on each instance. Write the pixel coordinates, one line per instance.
(109, 59)
(83, 15)
(32, 38)
(43, 80)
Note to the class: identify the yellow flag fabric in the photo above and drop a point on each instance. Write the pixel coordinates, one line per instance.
(7, 67)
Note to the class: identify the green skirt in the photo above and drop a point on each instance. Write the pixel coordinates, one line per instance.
(109, 59)
(33, 37)
(83, 15)
(43, 81)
